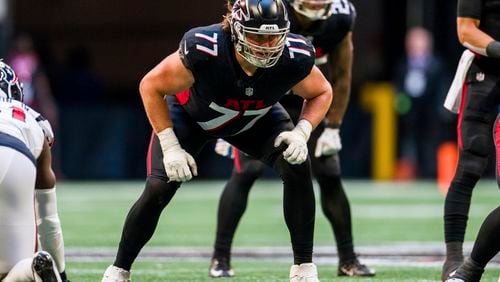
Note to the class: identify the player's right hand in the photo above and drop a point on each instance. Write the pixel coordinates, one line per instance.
(179, 164)
(224, 149)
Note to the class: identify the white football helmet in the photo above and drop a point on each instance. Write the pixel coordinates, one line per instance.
(313, 9)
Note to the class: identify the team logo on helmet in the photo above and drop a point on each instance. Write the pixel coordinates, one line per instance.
(10, 86)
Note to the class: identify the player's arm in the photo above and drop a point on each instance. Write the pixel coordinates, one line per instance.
(317, 92)
(47, 216)
(475, 39)
(45, 177)
(469, 34)
(340, 64)
(168, 78)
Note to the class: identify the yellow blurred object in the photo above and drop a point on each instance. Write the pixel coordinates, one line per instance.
(379, 99)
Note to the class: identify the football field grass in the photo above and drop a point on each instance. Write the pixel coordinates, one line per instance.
(386, 218)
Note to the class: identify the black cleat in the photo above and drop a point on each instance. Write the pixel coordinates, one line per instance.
(43, 266)
(63, 276)
(220, 267)
(469, 271)
(354, 268)
(450, 266)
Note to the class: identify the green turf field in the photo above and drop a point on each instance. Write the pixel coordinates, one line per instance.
(92, 215)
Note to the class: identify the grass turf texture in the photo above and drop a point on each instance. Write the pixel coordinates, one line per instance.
(92, 215)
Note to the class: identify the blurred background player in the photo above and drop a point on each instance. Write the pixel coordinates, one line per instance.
(25, 138)
(329, 25)
(478, 26)
(255, 61)
(420, 80)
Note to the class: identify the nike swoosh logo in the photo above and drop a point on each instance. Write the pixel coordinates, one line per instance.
(186, 51)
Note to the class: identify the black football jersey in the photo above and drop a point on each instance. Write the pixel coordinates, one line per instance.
(326, 34)
(487, 11)
(224, 100)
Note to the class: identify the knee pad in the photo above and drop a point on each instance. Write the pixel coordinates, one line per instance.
(478, 144)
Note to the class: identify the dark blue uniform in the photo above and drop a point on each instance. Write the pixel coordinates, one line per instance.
(225, 102)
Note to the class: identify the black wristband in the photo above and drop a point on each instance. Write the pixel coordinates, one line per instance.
(493, 50)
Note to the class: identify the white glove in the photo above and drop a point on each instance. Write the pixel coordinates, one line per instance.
(179, 164)
(296, 152)
(224, 149)
(47, 129)
(328, 143)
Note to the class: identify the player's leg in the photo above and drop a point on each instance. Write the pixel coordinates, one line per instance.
(232, 205)
(485, 248)
(143, 217)
(17, 219)
(336, 208)
(475, 139)
(298, 201)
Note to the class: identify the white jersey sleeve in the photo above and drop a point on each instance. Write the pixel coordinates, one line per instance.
(17, 120)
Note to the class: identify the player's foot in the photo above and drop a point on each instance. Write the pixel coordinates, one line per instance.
(304, 272)
(63, 276)
(220, 267)
(44, 269)
(354, 268)
(469, 271)
(449, 266)
(116, 274)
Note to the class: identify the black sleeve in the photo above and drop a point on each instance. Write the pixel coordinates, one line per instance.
(353, 17)
(302, 54)
(470, 8)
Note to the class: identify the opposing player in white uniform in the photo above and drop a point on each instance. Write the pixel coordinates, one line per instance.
(25, 163)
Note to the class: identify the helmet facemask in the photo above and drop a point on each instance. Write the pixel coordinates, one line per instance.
(314, 9)
(10, 87)
(262, 47)
(259, 29)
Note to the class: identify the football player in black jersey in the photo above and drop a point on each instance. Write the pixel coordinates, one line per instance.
(329, 24)
(225, 81)
(478, 26)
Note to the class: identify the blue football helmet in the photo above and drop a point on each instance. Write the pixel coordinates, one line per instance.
(10, 87)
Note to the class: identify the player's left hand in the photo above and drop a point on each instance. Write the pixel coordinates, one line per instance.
(328, 143)
(296, 152)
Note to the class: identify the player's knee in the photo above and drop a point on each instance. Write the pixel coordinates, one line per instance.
(159, 191)
(252, 169)
(293, 173)
(472, 164)
(478, 145)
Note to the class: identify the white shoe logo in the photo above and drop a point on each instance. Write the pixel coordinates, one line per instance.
(186, 51)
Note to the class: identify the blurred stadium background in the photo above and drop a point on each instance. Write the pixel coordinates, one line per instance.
(94, 54)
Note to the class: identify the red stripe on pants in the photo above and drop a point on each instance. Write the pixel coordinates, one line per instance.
(497, 145)
(148, 160)
(461, 115)
(237, 163)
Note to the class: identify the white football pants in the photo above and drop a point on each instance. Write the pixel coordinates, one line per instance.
(17, 208)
